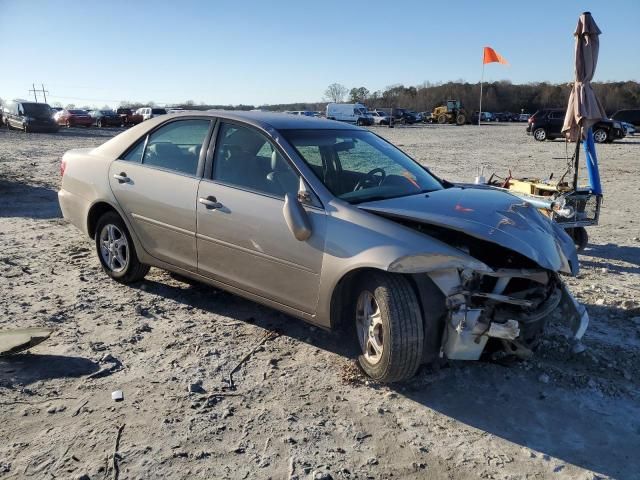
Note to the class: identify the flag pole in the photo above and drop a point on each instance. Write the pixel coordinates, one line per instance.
(481, 80)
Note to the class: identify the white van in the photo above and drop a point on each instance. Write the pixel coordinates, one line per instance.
(349, 112)
(148, 113)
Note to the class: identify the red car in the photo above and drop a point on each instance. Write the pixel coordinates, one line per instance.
(74, 118)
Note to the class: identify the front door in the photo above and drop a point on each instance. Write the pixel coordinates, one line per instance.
(243, 238)
(156, 183)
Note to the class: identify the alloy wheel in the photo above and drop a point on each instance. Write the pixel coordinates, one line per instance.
(540, 134)
(369, 327)
(114, 248)
(600, 136)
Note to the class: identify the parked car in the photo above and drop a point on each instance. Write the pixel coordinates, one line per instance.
(630, 116)
(629, 128)
(148, 112)
(380, 118)
(524, 117)
(502, 116)
(128, 117)
(29, 116)
(105, 118)
(330, 223)
(486, 117)
(427, 117)
(73, 118)
(417, 116)
(546, 124)
(355, 113)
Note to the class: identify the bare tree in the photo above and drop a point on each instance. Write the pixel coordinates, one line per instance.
(335, 92)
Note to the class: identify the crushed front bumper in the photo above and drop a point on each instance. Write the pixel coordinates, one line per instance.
(511, 305)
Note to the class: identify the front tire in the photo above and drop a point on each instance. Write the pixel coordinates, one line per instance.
(389, 327)
(600, 135)
(116, 251)
(540, 134)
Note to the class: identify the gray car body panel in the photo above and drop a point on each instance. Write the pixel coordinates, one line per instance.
(351, 237)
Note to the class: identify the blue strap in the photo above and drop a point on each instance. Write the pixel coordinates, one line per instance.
(591, 160)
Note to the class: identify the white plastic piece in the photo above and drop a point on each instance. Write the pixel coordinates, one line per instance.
(509, 330)
(117, 396)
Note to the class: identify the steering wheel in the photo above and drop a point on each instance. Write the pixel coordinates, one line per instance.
(370, 179)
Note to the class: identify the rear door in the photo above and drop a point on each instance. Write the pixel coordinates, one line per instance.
(156, 183)
(243, 239)
(556, 119)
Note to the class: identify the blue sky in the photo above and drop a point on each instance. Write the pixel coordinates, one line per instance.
(257, 52)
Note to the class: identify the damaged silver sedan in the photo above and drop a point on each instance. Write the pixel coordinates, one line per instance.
(331, 224)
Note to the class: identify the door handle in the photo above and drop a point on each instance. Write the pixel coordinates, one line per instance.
(210, 202)
(121, 177)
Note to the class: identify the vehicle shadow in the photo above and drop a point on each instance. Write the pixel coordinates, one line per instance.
(611, 251)
(26, 368)
(219, 302)
(19, 199)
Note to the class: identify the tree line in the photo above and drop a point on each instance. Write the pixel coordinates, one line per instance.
(502, 96)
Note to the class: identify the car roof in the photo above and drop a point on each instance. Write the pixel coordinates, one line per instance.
(262, 120)
(278, 120)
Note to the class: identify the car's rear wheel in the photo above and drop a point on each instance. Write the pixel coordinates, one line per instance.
(99, 123)
(68, 124)
(116, 250)
(600, 135)
(540, 134)
(389, 327)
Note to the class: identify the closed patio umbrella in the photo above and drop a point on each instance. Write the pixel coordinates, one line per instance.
(584, 108)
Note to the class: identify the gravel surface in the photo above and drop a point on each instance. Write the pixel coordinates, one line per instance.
(301, 408)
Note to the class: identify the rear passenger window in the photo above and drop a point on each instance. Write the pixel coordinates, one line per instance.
(177, 146)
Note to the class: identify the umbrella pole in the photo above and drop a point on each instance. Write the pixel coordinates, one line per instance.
(577, 162)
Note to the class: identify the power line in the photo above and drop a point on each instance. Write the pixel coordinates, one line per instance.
(35, 95)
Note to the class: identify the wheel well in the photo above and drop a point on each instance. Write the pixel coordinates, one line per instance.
(95, 213)
(342, 293)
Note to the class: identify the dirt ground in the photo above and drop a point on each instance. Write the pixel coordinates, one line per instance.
(301, 408)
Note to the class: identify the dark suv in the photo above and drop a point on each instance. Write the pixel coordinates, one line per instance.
(29, 117)
(631, 116)
(546, 124)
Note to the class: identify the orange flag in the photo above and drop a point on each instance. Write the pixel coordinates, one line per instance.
(490, 56)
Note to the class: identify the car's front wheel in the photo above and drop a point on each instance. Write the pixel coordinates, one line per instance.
(116, 251)
(600, 135)
(389, 327)
(540, 134)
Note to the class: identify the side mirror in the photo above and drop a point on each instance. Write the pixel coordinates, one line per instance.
(296, 218)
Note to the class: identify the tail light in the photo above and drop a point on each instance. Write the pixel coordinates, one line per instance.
(63, 167)
(531, 119)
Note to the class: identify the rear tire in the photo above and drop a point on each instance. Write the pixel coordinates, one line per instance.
(442, 119)
(540, 134)
(99, 124)
(116, 251)
(389, 327)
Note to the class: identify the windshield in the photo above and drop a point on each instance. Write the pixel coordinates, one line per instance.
(158, 111)
(358, 166)
(360, 111)
(36, 109)
(78, 112)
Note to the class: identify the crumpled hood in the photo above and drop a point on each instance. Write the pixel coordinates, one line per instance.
(491, 215)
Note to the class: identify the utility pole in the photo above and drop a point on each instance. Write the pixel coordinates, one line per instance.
(44, 93)
(34, 92)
